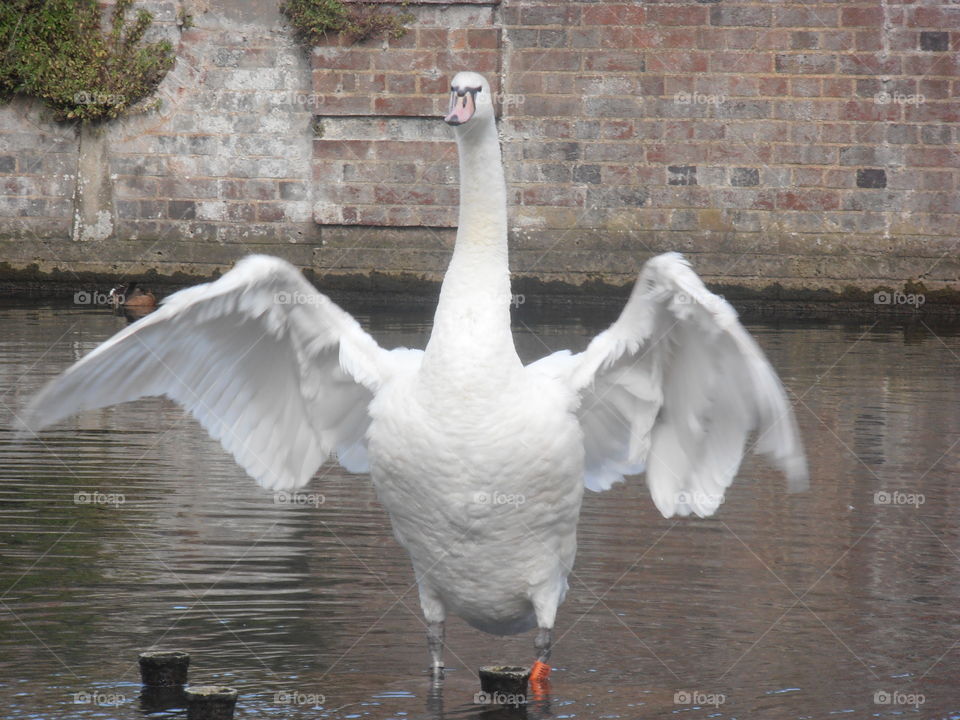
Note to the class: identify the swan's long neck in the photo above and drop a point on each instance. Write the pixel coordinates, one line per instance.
(472, 322)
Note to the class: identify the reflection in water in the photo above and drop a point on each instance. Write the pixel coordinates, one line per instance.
(127, 529)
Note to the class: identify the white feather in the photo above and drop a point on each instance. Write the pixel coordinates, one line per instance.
(272, 369)
(676, 385)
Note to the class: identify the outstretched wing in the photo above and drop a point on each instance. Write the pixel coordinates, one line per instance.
(271, 368)
(675, 386)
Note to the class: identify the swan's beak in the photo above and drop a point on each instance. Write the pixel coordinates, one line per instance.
(462, 106)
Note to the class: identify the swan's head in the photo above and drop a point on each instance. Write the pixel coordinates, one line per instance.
(470, 99)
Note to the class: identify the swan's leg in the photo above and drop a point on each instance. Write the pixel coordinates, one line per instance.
(545, 606)
(540, 671)
(435, 645)
(543, 645)
(435, 613)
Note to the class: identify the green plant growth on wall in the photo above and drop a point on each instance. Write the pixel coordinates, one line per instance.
(313, 20)
(55, 50)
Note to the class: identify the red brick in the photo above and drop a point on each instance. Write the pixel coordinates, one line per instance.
(870, 133)
(807, 200)
(708, 130)
(678, 130)
(740, 15)
(617, 129)
(344, 104)
(841, 40)
(902, 40)
(772, 86)
(558, 83)
(739, 153)
(869, 40)
(458, 39)
(419, 195)
(628, 37)
(773, 39)
(936, 18)
(615, 61)
(676, 62)
(677, 15)
(741, 62)
(269, 212)
(433, 85)
(370, 215)
(527, 82)
(546, 60)
(807, 177)
(688, 154)
(839, 178)
(411, 150)
(747, 198)
(805, 87)
(551, 106)
(804, 155)
(937, 112)
(406, 59)
(869, 111)
(551, 14)
(483, 38)
(867, 64)
(554, 195)
(437, 217)
(741, 38)
(861, 16)
(935, 180)
(833, 87)
(932, 64)
(370, 83)
(728, 85)
(681, 196)
(432, 38)
(835, 132)
(341, 149)
(806, 63)
(934, 89)
(812, 16)
(409, 105)
(481, 61)
(402, 84)
(407, 40)
(605, 14)
(710, 38)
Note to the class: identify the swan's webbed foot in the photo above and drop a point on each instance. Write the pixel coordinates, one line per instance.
(435, 631)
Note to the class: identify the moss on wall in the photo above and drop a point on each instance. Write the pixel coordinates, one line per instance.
(55, 50)
(313, 20)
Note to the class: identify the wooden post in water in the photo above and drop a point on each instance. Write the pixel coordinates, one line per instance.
(210, 702)
(163, 673)
(164, 668)
(503, 684)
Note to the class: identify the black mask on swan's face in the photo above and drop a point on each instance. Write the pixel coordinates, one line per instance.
(463, 105)
(469, 96)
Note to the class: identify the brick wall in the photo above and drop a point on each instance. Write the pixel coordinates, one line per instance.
(221, 169)
(811, 146)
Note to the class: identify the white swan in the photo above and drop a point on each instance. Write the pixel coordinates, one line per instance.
(454, 437)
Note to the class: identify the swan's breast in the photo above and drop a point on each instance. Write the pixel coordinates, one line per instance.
(485, 493)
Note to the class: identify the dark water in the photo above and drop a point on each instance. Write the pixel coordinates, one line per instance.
(803, 606)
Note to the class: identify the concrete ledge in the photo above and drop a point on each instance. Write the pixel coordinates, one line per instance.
(767, 271)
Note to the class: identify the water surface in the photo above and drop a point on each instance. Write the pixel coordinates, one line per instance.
(831, 602)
